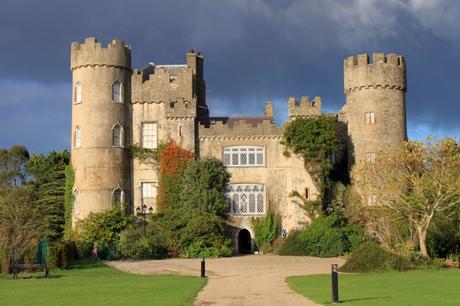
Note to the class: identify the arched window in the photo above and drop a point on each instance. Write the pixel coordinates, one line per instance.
(117, 92)
(77, 93)
(117, 196)
(117, 135)
(246, 199)
(77, 137)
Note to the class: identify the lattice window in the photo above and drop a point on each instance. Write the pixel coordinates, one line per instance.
(243, 156)
(246, 199)
(149, 135)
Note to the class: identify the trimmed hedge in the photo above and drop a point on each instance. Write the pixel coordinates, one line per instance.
(371, 257)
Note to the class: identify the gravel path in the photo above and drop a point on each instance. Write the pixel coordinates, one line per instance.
(240, 280)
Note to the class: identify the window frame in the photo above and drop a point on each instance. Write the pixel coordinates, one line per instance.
(153, 202)
(370, 157)
(369, 118)
(77, 137)
(76, 201)
(231, 192)
(121, 143)
(120, 92)
(122, 196)
(77, 93)
(243, 153)
(155, 142)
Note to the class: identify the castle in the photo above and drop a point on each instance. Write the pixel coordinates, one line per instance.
(114, 105)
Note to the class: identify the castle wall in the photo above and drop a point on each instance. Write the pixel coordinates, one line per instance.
(280, 174)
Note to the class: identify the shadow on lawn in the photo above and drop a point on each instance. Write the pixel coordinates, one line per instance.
(365, 299)
(86, 264)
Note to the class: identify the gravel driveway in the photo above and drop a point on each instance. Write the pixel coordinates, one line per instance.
(240, 280)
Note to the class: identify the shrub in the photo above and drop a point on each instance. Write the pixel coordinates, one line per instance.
(134, 244)
(266, 230)
(372, 257)
(61, 254)
(103, 228)
(292, 245)
(325, 237)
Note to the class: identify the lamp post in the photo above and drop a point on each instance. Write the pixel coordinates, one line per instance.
(142, 211)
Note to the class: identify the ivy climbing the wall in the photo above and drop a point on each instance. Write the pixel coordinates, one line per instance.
(315, 139)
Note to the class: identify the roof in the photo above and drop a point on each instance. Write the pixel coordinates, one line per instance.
(230, 121)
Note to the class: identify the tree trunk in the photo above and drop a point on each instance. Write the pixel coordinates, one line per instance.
(422, 241)
(5, 268)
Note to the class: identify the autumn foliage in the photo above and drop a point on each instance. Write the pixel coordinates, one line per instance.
(173, 160)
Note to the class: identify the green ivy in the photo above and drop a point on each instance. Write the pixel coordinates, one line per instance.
(315, 139)
(266, 230)
(68, 200)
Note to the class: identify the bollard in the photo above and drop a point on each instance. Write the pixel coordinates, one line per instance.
(335, 283)
(203, 267)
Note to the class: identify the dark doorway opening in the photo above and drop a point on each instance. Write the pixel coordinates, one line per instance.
(244, 242)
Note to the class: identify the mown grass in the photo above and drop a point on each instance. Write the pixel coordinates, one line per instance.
(91, 284)
(430, 287)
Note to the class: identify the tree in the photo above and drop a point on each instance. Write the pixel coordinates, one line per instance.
(415, 182)
(203, 184)
(48, 181)
(19, 223)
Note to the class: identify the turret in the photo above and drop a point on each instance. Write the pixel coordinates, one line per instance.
(303, 108)
(374, 112)
(100, 98)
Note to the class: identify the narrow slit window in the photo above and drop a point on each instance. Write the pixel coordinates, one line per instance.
(117, 92)
(77, 92)
(77, 137)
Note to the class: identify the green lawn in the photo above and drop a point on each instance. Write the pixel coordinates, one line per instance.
(100, 285)
(432, 287)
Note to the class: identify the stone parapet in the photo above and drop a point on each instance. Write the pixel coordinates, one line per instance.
(91, 53)
(303, 108)
(385, 72)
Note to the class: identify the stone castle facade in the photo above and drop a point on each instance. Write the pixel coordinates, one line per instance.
(114, 105)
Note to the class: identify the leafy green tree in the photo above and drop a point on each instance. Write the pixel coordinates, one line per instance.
(13, 166)
(103, 227)
(48, 182)
(203, 184)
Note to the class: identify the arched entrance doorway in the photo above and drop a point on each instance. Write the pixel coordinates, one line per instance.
(244, 241)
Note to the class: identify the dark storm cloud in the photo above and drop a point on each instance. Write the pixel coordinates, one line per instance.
(254, 50)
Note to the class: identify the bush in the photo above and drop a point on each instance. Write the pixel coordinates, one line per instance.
(292, 245)
(325, 237)
(372, 257)
(104, 228)
(135, 245)
(191, 233)
(61, 254)
(266, 230)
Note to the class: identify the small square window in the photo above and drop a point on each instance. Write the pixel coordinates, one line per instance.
(370, 118)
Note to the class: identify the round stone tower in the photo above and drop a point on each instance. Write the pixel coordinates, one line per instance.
(100, 98)
(375, 112)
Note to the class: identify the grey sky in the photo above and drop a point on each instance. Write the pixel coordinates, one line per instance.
(254, 50)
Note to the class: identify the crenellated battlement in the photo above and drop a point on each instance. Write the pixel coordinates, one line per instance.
(241, 128)
(380, 71)
(91, 54)
(304, 107)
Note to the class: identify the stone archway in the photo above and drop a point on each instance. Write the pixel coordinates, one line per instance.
(244, 242)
